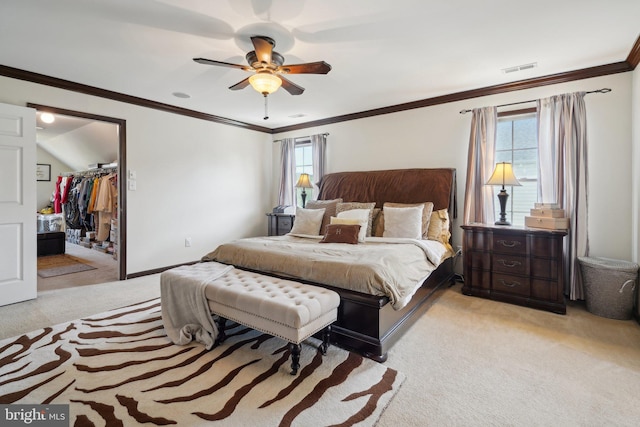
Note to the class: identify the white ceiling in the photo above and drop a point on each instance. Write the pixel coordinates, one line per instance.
(382, 52)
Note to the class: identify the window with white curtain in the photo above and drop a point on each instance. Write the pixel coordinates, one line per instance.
(517, 143)
(304, 164)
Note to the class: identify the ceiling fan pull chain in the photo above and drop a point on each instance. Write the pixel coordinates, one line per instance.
(266, 113)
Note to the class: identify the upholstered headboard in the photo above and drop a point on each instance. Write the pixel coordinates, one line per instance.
(395, 185)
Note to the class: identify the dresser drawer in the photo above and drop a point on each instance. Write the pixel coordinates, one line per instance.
(515, 285)
(510, 264)
(510, 244)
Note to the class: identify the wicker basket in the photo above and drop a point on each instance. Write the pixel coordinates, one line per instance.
(609, 286)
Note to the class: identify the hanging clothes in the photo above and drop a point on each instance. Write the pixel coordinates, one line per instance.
(90, 200)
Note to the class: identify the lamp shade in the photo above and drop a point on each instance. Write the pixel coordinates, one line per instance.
(304, 181)
(265, 83)
(503, 175)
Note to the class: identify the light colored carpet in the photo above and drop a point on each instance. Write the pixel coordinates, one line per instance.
(468, 361)
(120, 368)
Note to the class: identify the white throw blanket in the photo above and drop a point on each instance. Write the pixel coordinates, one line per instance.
(185, 311)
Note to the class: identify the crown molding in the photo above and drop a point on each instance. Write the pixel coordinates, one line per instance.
(585, 73)
(116, 96)
(617, 67)
(634, 56)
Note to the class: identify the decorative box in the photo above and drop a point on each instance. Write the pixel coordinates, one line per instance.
(548, 223)
(548, 213)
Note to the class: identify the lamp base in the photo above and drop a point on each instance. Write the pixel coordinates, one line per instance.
(502, 197)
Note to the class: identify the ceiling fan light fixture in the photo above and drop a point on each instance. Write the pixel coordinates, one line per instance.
(47, 118)
(265, 83)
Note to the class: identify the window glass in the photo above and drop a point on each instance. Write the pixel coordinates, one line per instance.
(304, 164)
(516, 143)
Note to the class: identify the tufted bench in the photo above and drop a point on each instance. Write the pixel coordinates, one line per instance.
(283, 308)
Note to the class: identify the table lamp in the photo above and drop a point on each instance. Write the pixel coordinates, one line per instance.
(503, 175)
(304, 182)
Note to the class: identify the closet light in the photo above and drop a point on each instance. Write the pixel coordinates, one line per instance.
(47, 117)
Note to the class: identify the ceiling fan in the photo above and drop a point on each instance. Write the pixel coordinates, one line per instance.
(268, 67)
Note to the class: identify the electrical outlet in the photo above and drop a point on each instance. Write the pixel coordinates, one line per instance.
(187, 242)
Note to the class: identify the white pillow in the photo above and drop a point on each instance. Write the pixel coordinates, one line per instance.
(307, 221)
(361, 216)
(403, 222)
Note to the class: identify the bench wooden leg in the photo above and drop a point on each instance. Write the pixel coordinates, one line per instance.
(326, 340)
(221, 330)
(295, 357)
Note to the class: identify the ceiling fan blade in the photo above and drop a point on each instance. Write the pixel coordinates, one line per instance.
(221, 64)
(263, 47)
(319, 67)
(240, 85)
(291, 87)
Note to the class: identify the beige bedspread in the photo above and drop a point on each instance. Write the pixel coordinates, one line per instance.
(391, 267)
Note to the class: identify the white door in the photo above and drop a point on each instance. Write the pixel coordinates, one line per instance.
(18, 254)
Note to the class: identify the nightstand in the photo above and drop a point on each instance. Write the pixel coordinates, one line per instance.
(280, 223)
(513, 264)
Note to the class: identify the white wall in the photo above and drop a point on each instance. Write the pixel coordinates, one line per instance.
(195, 178)
(438, 136)
(45, 189)
(636, 166)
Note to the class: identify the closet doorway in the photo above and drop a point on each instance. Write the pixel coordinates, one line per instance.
(91, 149)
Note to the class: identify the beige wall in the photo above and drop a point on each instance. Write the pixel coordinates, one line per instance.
(45, 188)
(438, 136)
(195, 178)
(636, 165)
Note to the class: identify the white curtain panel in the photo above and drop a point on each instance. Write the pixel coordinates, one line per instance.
(563, 175)
(287, 193)
(478, 199)
(318, 149)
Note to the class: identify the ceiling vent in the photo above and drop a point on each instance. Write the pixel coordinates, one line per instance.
(520, 68)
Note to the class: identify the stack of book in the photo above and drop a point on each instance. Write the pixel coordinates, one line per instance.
(548, 216)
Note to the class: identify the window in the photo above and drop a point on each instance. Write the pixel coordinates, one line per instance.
(304, 164)
(517, 143)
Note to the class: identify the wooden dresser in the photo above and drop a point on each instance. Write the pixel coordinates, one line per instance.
(514, 264)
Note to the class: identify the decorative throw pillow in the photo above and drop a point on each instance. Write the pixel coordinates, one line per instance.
(439, 226)
(347, 206)
(354, 216)
(307, 221)
(426, 217)
(329, 207)
(378, 225)
(341, 233)
(403, 222)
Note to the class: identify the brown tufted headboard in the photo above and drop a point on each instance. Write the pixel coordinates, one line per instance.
(394, 185)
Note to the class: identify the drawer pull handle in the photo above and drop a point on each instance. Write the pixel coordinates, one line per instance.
(511, 244)
(510, 264)
(509, 285)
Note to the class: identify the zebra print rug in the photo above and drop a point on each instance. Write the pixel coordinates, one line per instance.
(119, 368)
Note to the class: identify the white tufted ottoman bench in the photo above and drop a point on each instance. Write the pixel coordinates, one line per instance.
(286, 309)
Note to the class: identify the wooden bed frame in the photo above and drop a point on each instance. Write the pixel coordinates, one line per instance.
(368, 324)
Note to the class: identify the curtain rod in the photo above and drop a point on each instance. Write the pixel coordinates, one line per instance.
(301, 137)
(604, 90)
